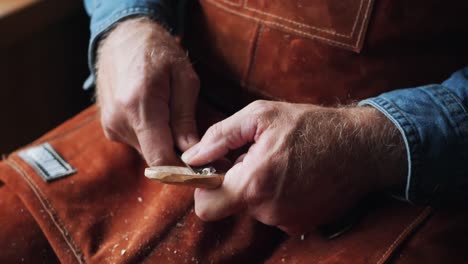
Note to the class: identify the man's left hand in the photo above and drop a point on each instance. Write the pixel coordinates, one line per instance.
(306, 164)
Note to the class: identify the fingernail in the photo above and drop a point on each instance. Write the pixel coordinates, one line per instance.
(188, 155)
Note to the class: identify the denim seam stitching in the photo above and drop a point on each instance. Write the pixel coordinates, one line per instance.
(460, 115)
(446, 105)
(414, 140)
(413, 143)
(455, 98)
(389, 111)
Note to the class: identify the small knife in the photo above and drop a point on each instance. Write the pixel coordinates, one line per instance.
(201, 178)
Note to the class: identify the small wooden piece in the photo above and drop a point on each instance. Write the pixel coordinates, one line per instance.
(185, 176)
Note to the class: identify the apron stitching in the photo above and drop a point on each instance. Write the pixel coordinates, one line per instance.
(287, 28)
(302, 25)
(232, 3)
(49, 209)
(364, 20)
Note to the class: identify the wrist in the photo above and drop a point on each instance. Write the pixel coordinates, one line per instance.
(132, 29)
(382, 145)
(130, 24)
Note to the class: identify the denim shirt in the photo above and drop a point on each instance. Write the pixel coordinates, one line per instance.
(432, 119)
(106, 13)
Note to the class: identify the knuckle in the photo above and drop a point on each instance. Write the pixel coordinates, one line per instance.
(110, 123)
(263, 109)
(111, 134)
(162, 56)
(164, 65)
(158, 160)
(156, 73)
(214, 130)
(260, 104)
(126, 102)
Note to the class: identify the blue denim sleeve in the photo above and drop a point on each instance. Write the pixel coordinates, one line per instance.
(105, 13)
(433, 120)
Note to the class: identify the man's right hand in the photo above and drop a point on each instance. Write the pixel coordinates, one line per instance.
(147, 90)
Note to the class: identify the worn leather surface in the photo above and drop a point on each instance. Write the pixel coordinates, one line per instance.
(92, 216)
(295, 50)
(287, 50)
(22, 241)
(108, 206)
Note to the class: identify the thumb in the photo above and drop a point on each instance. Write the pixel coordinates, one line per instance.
(231, 133)
(219, 203)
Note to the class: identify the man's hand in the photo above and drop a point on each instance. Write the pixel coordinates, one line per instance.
(147, 90)
(306, 164)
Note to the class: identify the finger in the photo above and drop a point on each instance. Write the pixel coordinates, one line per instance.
(123, 135)
(184, 93)
(240, 158)
(116, 128)
(223, 136)
(219, 203)
(154, 134)
(156, 145)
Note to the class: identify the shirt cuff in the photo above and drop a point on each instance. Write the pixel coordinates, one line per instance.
(107, 13)
(434, 124)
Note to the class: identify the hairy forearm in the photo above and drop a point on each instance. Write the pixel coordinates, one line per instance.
(356, 141)
(382, 143)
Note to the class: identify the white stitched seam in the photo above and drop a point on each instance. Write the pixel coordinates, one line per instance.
(305, 34)
(455, 98)
(403, 134)
(302, 25)
(238, 3)
(366, 15)
(358, 15)
(49, 209)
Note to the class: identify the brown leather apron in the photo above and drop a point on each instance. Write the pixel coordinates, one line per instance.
(312, 51)
(324, 51)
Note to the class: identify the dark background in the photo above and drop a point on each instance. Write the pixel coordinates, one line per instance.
(43, 64)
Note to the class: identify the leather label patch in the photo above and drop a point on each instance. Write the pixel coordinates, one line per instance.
(341, 23)
(47, 162)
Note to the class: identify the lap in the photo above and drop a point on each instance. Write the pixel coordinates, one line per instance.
(22, 240)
